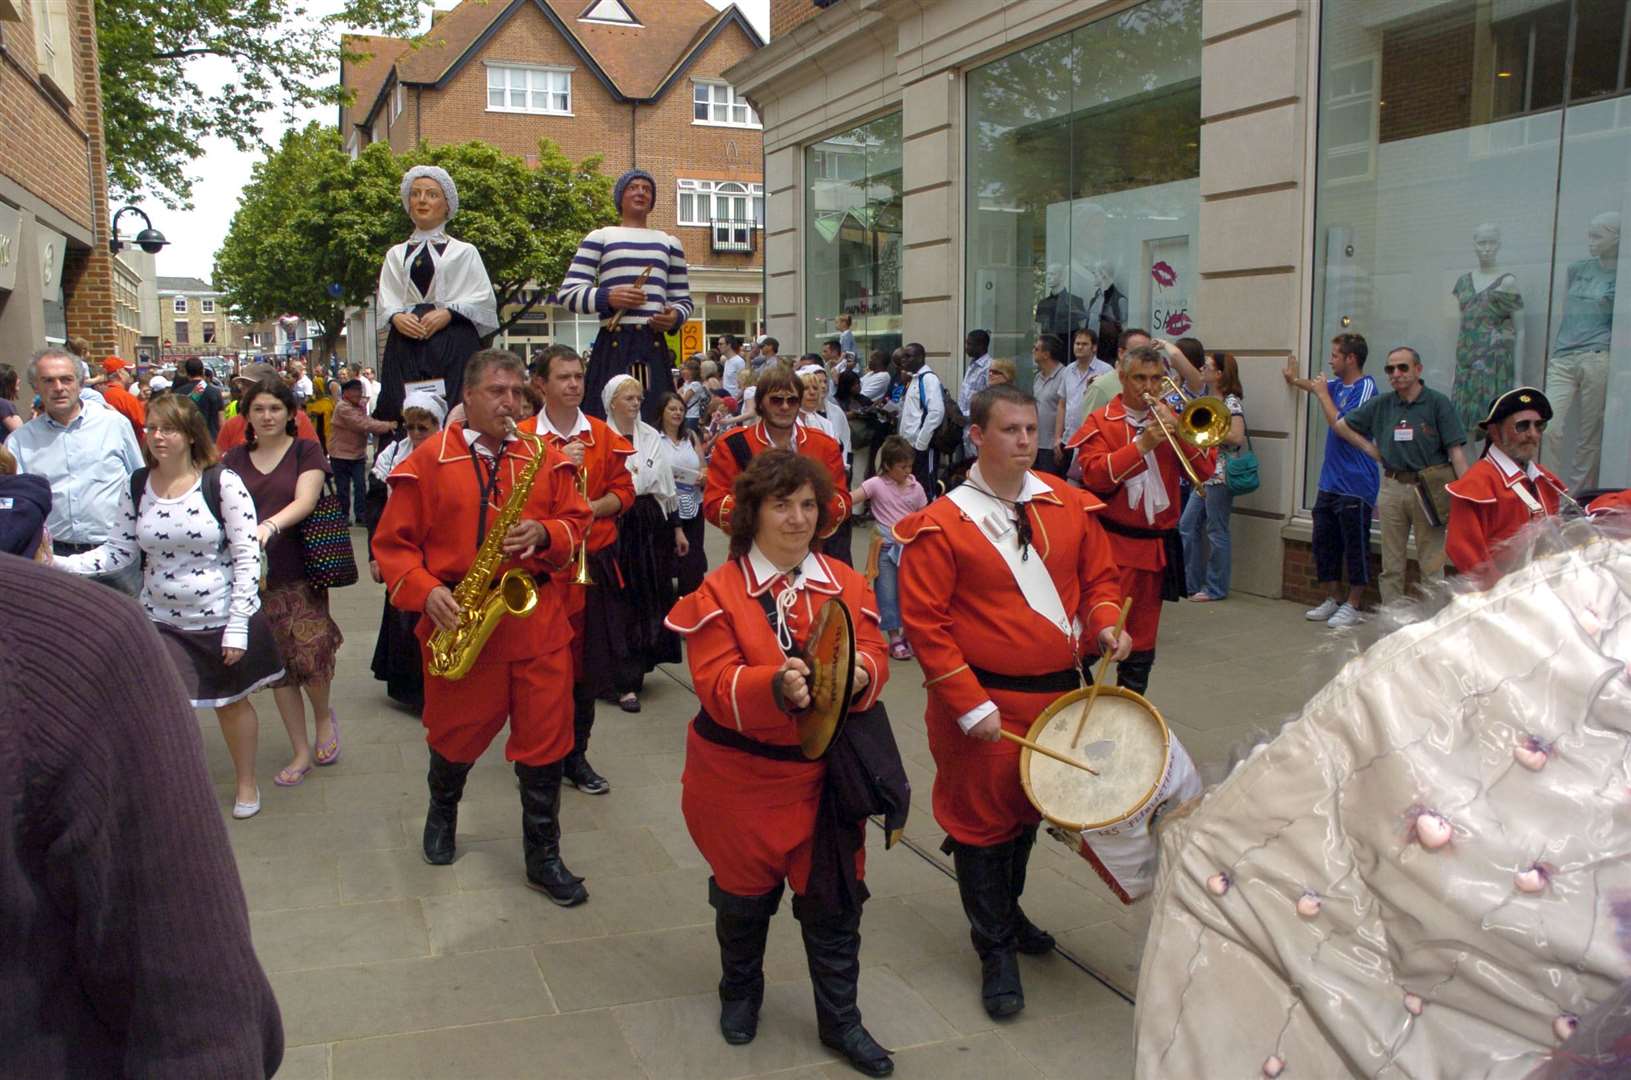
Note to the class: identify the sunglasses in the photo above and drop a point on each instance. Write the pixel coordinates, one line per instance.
(782, 400)
(421, 427)
(1529, 425)
(1396, 369)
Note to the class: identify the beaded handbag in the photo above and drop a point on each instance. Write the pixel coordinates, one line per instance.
(325, 543)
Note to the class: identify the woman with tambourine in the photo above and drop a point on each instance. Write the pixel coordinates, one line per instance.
(787, 660)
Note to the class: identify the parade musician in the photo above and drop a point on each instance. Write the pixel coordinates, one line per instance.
(605, 280)
(1036, 588)
(1128, 462)
(442, 498)
(752, 802)
(1505, 489)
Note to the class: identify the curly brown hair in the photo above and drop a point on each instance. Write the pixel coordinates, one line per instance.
(773, 475)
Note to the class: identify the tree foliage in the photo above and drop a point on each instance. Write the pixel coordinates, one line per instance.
(314, 224)
(155, 108)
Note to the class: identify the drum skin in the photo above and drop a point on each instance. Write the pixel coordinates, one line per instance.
(1125, 739)
(1426, 874)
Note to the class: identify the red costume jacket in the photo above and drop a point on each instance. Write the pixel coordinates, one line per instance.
(723, 470)
(734, 655)
(1109, 459)
(1614, 500)
(427, 535)
(605, 456)
(1486, 509)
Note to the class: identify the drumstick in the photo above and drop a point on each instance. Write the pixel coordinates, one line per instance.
(1098, 676)
(639, 283)
(1043, 750)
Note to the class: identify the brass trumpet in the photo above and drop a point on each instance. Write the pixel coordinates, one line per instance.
(1204, 422)
(582, 576)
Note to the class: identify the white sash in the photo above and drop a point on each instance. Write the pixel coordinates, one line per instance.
(1035, 584)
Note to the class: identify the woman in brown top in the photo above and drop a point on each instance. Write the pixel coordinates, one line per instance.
(284, 476)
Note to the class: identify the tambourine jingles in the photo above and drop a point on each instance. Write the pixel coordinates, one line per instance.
(830, 653)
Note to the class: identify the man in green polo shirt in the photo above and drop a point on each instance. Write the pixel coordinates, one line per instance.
(1416, 436)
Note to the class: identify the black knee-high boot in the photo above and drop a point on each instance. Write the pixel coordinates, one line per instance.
(832, 947)
(577, 770)
(541, 835)
(1134, 672)
(985, 882)
(741, 923)
(1030, 939)
(446, 781)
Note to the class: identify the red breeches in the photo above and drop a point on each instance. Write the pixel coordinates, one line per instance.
(978, 798)
(752, 851)
(534, 695)
(1144, 619)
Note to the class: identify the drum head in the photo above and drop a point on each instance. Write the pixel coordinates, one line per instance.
(1125, 740)
(830, 652)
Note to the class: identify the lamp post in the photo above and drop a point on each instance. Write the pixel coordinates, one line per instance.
(149, 239)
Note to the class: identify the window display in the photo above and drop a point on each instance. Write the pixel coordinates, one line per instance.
(1527, 163)
(852, 258)
(1083, 182)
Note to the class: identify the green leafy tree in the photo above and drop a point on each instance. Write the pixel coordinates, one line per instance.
(155, 107)
(314, 224)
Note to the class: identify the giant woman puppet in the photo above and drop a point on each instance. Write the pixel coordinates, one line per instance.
(434, 291)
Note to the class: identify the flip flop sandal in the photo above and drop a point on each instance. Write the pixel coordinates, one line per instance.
(329, 753)
(288, 771)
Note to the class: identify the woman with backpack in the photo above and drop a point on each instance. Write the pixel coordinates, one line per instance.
(192, 524)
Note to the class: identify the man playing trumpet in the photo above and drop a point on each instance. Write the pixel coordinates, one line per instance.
(1036, 589)
(1130, 458)
(443, 498)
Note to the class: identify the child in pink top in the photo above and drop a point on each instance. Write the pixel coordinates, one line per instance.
(893, 494)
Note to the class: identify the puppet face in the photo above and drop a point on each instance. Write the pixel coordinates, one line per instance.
(427, 204)
(638, 197)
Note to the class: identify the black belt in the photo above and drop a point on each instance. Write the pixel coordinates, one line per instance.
(711, 730)
(1052, 682)
(1111, 525)
(1403, 476)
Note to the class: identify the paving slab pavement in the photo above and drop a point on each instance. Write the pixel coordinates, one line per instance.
(386, 967)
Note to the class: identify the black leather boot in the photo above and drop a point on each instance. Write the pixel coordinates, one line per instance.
(1134, 672)
(832, 947)
(577, 770)
(541, 835)
(741, 923)
(446, 781)
(1030, 939)
(985, 881)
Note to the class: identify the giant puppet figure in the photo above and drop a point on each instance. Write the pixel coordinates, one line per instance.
(434, 292)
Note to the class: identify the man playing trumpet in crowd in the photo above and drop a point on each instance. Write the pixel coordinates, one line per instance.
(445, 496)
(1036, 588)
(1130, 458)
(601, 456)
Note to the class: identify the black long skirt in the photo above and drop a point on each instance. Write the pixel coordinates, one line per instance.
(646, 559)
(639, 351)
(397, 660)
(408, 360)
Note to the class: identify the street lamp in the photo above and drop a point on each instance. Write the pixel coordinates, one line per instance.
(149, 239)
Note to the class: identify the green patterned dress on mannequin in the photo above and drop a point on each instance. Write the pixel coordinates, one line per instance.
(1486, 348)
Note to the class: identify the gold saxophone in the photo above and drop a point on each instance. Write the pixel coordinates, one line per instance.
(482, 601)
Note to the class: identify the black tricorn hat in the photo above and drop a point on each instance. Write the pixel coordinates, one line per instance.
(1514, 401)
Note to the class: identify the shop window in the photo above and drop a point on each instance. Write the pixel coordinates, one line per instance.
(1084, 182)
(1484, 232)
(853, 235)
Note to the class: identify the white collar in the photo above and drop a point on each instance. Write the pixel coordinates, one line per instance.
(762, 573)
(1510, 468)
(581, 425)
(471, 435)
(1032, 487)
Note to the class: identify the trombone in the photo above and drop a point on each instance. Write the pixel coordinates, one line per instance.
(1204, 422)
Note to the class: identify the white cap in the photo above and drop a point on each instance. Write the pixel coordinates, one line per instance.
(158, 382)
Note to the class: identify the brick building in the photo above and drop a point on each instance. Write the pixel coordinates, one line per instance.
(193, 321)
(56, 273)
(638, 82)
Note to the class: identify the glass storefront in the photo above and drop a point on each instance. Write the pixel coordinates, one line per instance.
(852, 235)
(1473, 164)
(1084, 182)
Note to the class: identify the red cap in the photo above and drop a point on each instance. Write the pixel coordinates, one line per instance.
(114, 363)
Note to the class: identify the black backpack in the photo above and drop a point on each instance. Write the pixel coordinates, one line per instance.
(948, 437)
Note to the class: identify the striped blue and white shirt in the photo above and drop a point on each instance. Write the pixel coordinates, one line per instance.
(616, 255)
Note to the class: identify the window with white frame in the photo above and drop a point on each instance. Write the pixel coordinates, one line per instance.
(207, 307)
(180, 307)
(717, 103)
(529, 90)
(704, 202)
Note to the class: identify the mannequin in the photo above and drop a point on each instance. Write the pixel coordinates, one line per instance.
(435, 293)
(1487, 344)
(1060, 311)
(1112, 313)
(1577, 372)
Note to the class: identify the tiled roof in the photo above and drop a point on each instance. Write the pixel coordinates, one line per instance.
(184, 285)
(445, 42)
(367, 76)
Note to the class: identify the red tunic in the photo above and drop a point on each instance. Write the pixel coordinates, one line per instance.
(605, 456)
(985, 622)
(1485, 509)
(723, 470)
(1109, 459)
(751, 817)
(428, 537)
(1614, 500)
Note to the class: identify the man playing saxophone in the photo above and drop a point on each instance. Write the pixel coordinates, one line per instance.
(445, 498)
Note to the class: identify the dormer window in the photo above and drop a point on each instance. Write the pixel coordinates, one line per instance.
(609, 11)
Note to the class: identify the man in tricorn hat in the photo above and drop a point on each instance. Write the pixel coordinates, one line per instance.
(1506, 488)
(636, 276)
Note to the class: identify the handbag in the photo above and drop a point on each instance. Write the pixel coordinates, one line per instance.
(325, 543)
(1432, 493)
(1240, 471)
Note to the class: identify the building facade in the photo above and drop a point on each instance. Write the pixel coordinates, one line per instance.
(193, 321)
(56, 271)
(1260, 174)
(638, 82)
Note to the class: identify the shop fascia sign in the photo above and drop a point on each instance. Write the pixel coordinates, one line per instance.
(733, 299)
(11, 242)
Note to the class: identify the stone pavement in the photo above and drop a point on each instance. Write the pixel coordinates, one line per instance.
(386, 967)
